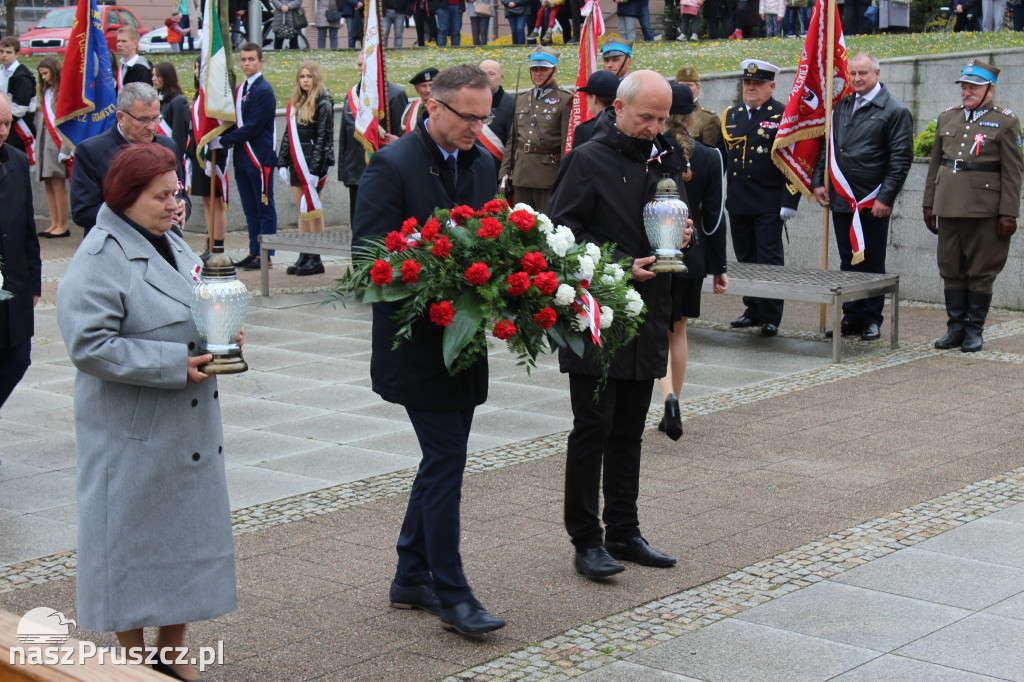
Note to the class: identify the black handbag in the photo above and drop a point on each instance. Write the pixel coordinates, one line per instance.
(333, 13)
(301, 21)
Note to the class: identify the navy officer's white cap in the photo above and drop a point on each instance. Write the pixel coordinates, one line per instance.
(758, 70)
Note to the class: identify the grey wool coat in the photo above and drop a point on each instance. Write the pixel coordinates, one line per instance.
(154, 525)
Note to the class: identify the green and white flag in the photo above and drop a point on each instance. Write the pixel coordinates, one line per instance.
(216, 110)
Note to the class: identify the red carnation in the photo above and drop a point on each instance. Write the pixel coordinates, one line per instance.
(381, 273)
(442, 247)
(545, 318)
(495, 206)
(534, 263)
(395, 242)
(478, 273)
(522, 219)
(490, 228)
(461, 214)
(518, 283)
(409, 226)
(410, 271)
(547, 282)
(430, 230)
(504, 330)
(442, 313)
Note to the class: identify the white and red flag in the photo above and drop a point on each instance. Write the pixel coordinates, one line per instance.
(373, 85)
(593, 28)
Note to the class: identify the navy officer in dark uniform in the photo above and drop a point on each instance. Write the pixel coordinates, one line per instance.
(759, 198)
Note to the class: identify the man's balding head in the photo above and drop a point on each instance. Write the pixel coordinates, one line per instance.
(642, 104)
(493, 71)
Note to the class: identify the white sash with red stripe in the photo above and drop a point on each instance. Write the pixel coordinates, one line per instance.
(309, 205)
(411, 115)
(491, 142)
(843, 189)
(27, 139)
(48, 117)
(587, 307)
(263, 170)
(216, 174)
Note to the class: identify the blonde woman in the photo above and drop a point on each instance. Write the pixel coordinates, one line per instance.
(306, 153)
(52, 170)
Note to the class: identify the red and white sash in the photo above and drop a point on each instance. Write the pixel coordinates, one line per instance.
(845, 192)
(28, 140)
(263, 170)
(413, 114)
(491, 142)
(48, 117)
(215, 173)
(310, 207)
(587, 306)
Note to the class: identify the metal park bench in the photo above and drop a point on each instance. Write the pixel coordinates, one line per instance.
(816, 286)
(327, 243)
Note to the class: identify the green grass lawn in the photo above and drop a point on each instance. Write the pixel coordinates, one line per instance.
(708, 56)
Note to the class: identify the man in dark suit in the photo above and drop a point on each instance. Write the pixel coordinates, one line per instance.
(438, 164)
(138, 119)
(132, 67)
(759, 199)
(494, 136)
(19, 251)
(600, 90)
(255, 158)
(17, 81)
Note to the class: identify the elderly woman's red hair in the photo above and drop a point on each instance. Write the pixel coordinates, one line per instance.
(133, 168)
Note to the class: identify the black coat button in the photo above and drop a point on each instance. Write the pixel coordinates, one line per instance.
(191, 345)
(215, 394)
(220, 449)
(195, 402)
(195, 456)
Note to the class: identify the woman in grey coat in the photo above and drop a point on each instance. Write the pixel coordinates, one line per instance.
(154, 527)
(283, 23)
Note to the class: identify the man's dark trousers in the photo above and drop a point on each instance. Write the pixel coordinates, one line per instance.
(758, 239)
(876, 234)
(607, 432)
(430, 531)
(14, 361)
(260, 218)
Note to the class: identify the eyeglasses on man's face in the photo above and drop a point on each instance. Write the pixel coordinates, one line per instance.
(485, 120)
(155, 121)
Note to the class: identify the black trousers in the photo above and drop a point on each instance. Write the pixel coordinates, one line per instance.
(758, 239)
(426, 26)
(428, 545)
(14, 362)
(606, 435)
(876, 235)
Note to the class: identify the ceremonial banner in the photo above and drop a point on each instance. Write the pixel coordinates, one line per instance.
(593, 27)
(216, 111)
(87, 102)
(373, 84)
(802, 130)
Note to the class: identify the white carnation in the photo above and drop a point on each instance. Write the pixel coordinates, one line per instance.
(544, 224)
(586, 268)
(564, 295)
(559, 244)
(594, 251)
(582, 323)
(612, 273)
(635, 303)
(607, 315)
(524, 207)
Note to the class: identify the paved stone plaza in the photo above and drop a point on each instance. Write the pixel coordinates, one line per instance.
(860, 521)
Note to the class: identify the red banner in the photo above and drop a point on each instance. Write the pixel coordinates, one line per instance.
(593, 27)
(802, 130)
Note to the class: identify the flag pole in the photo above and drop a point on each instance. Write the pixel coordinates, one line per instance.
(213, 202)
(830, 57)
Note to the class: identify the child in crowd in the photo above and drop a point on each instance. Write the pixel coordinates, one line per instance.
(174, 30)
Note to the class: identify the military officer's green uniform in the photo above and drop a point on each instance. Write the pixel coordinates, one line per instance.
(534, 149)
(974, 182)
(707, 125)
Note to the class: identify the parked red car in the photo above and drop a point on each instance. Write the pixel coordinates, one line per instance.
(51, 34)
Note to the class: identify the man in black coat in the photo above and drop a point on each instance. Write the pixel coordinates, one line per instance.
(600, 90)
(138, 119)
(873, 137)
(759, 199)
(19, 253)
(17, 81)
(132, 67)
(439, 164)
(600, 194)
(494, 135)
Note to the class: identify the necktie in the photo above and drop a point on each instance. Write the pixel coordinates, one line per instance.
(858, 103)
(450, 162)
(245, 88)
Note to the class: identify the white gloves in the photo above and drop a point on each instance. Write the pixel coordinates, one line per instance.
(787, 213)
(283, 172)
(215, 143)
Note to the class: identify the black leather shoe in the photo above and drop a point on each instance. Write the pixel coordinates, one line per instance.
(673, 422)
(596, 563)
(414, 597)
(167, 670)
(56, 235)
(870, 333)
(312, 266)
(743, 322)
(469, 618)
(247, 261)
(639, 552)
(254, 264)
(847, 329)
(769, 329)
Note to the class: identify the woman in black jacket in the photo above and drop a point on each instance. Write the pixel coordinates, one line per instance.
(307, 151)
(703, 181)
(176, 121)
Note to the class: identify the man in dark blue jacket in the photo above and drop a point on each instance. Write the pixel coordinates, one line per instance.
(439, 164)
(138, 119)
(255, 158)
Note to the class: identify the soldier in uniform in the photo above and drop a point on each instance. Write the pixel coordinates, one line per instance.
(617, 55)
(759, 198)
(417, 108)
(706, 126)
(539, 128)
(971, 200)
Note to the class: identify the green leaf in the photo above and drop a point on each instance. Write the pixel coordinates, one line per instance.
(387, 293)
(469, 313)
(576, 344)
